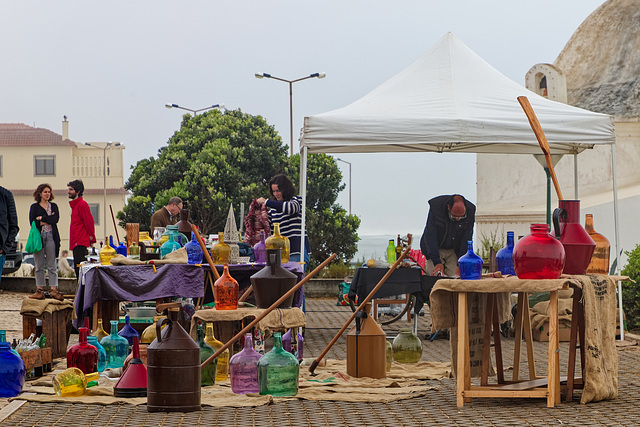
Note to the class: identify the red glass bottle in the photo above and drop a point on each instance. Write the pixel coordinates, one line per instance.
(225, 291)
(82, 355)
(538, 255)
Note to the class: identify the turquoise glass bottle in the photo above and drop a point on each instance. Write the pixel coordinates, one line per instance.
(243, 369)
(128, 331)
(470, 264)
(170, 245)
(194, 251)
(12, 371)
(278, 371)
(102, 354)
(208, 373)
(116, 347)
(82, 355)
(504, 257)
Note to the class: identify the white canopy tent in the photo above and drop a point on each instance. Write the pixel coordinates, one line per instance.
(451, 100)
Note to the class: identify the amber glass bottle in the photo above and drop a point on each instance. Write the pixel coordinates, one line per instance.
(600, 259)
(223, 359)
(220, 252)
(278, 241)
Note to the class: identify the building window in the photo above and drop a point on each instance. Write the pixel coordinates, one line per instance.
(95, 212)
(45, 165)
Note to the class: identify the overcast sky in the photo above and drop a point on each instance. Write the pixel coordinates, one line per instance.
(111, 67)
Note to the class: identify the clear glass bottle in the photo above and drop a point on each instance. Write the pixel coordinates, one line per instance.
(223, 359)
(220, 251)
(470, 264)
(106, 253)
(600, 259)
(278, 241)
(243, 369)
(278, 371)
(504, 257)
(116, 347)
(128, 331)
(102, 354)
(134, 250)
(391, 252)
(389, 355)
(82, 355)
(208, 374)
(99, 331)
(407, 347)
(225, 291)
(194, 251)
(259, 251)
(12, 371)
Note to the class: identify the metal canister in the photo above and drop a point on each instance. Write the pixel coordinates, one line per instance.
(173, 370)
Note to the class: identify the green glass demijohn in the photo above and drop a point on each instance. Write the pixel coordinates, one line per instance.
(208, 373)
(407, 347)
(278, 371)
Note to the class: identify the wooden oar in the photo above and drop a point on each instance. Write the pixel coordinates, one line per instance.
(542, 140)
(361, 305)
(268, 310)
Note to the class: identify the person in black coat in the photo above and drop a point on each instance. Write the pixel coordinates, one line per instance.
(449, 227)
(45, 213)
(8, 224)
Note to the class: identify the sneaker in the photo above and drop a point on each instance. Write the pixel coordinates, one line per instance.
(53, 293)
(38, 294)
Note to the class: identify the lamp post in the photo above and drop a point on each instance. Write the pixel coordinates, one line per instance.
(349, 163)
(104, 174)
(195, 112)
(291, 82)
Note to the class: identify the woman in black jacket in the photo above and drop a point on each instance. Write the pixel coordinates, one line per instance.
(46, 215)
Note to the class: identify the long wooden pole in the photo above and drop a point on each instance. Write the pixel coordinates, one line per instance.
(114, 225)
(361, 305)
(268, 310)
(542, 140)
(205, 252)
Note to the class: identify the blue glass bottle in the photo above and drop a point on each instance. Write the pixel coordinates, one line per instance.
(128, 331)
(3, 338)
(111, 243)
(194, 251)
(470, 264)
(122, 249)
(504, 257)
(116, 347)
(102, 354)
(12, 371)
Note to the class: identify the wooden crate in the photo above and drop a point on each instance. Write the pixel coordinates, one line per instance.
(37, 362)
(55, 328)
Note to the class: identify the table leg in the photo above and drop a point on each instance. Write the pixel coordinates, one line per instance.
(486, 345)
(553, 396)
(528, 336)
(107, 311)
(572, 346)
(496, 341)
(463, 371)
(518, 342)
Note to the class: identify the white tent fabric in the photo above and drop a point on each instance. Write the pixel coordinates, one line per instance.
(451, 100)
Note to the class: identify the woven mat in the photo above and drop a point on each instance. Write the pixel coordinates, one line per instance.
(330, 383)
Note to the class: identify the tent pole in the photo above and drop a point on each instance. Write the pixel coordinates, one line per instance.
(575, 176)
(617, 234)
(303, 192)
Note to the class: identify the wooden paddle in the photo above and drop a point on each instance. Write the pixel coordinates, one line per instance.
(267, 311)
(361, 305)
(542, 140)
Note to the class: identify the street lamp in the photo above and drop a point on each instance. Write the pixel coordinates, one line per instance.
(195, 112)
(344, 161)
(291, 82)
(104, 174)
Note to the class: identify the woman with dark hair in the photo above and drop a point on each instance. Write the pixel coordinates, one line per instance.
(285, 207)
(45, 213)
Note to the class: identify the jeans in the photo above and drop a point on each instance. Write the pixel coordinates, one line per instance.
(46, 255)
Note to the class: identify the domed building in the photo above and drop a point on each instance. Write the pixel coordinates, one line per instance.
(598, 70)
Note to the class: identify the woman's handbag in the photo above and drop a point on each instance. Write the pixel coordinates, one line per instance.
(34, 242)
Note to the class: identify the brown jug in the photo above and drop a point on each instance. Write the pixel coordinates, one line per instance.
(184, 226)
(173, 370)
(366, 347)
(578, 245)
(273, 281)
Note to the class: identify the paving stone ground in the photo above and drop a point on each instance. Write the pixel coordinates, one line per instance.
(324, 319)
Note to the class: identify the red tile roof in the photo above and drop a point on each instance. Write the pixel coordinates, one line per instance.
(20, 135)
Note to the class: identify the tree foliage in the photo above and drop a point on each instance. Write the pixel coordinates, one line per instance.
(221, 158)
(631, 290)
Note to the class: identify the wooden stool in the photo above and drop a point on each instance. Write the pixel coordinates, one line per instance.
(55, 327)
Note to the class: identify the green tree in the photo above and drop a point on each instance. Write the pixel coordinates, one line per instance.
(222, 158)
(631, 290)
